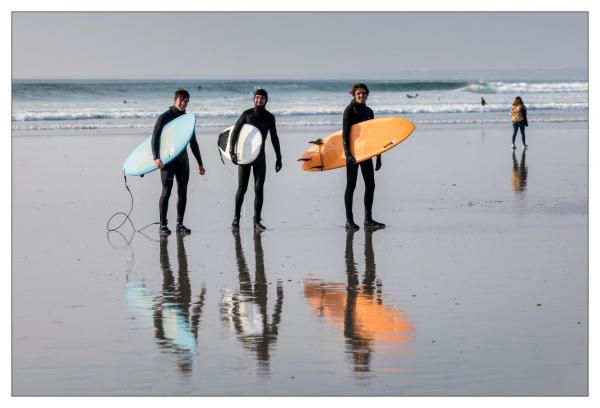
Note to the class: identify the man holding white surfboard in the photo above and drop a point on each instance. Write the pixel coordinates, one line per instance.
(178, 168)
(264, 120)
(358, 111)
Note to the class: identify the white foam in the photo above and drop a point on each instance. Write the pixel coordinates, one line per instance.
(526, 87)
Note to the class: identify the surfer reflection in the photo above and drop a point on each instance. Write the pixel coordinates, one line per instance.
(175, 318)
(519, 173)
(359, 345)
(246, 311)
(175, 328)
(359, 308)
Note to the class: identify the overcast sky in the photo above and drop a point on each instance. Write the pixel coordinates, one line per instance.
(292, 45)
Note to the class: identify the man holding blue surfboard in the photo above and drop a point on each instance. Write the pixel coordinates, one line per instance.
(264, 120)
(178, 168)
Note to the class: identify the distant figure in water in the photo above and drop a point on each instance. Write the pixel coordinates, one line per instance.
(518, 115)
(483, 102)
(412, 96)
(124, 101)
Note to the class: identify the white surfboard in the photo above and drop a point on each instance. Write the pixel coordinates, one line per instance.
(248, 144)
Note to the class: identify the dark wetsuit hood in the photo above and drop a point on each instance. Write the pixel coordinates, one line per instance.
(261, 109)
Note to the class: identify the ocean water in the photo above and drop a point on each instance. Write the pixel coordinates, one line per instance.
(114, 104)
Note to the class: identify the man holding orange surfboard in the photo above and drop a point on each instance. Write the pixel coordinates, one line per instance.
(358, 111)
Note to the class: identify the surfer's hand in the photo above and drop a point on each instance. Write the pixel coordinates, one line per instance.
(158, 163)
(278, 165)
(350, 159)
(233, 158)
(201, 170)
(378, 163)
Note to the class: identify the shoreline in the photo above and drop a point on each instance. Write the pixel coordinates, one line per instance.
(200, 129)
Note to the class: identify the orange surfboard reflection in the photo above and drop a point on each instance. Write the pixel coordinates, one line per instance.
(361, 314)
(358, 309)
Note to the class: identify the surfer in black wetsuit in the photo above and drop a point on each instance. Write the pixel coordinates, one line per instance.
(264, 120)
(357, 111)
(179, 168)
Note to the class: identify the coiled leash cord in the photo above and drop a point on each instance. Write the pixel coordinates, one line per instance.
(127, 216)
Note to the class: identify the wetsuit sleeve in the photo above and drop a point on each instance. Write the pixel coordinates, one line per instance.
(235, 132)
(155, 142)
(196, 149)
(275, 139)
(346, 125)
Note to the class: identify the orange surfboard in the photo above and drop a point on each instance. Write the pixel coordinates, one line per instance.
(367, 139)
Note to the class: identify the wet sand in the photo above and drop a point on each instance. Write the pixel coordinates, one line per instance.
(478, 286)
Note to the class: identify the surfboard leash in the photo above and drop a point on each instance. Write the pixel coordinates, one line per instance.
(127, 216)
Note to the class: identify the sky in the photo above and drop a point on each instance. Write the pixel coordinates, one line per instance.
(289, 45)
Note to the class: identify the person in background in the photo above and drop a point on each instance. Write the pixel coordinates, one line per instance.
(483, 102)
(518, 115)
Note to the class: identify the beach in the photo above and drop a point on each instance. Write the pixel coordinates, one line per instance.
(477, 286)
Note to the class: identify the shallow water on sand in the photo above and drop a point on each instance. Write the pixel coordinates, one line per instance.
(478, 286)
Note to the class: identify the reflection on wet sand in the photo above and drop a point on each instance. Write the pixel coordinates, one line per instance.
(519, 173)
(176, 319)
(359, 307)
(246, 310)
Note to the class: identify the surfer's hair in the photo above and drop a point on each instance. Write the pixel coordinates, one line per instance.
(358, 86)
(518, 101)
(182, 93)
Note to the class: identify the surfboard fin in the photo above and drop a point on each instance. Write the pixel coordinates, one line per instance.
(304, 159)
(317, 167)
(317, 142)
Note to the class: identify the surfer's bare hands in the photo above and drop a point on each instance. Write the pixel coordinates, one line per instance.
(278, 165)
(158, 163)
(201, 170)
(378, 163)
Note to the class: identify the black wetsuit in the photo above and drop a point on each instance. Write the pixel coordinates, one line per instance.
(264, 120)
(179, 168)
(356, 113)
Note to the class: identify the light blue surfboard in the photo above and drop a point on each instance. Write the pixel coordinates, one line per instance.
(174, 138)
